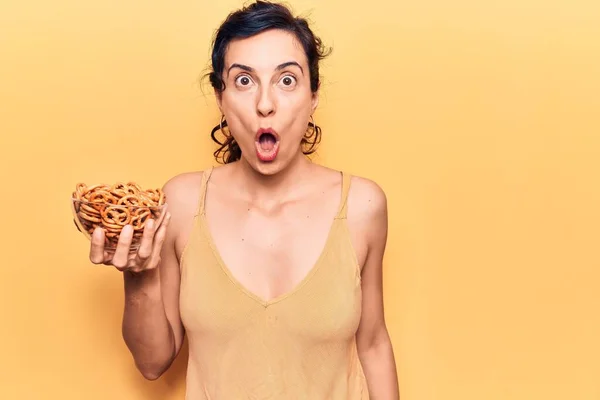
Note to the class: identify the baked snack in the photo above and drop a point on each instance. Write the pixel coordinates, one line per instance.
(111, 207)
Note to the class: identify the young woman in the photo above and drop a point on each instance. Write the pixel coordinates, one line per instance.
(271, 265)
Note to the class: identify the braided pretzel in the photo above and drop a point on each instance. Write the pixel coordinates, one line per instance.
(111, 207)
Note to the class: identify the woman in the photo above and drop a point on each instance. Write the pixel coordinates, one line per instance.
(271, 265)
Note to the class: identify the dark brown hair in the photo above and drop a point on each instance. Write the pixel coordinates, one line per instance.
(251, 20)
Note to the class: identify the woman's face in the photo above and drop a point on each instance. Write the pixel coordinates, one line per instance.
(267, 101)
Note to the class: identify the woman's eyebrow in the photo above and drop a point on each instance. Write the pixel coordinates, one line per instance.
(278, 68)
(287, 64)
(240, 66)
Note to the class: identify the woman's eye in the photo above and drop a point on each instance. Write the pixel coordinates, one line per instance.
(288, 80)
(243, 80)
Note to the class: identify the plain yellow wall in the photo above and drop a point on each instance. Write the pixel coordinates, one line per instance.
(481, 120)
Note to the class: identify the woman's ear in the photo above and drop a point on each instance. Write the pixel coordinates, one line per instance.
(314, 102)
(219, 101)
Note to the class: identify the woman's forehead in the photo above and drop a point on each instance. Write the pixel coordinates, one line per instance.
(266, 51)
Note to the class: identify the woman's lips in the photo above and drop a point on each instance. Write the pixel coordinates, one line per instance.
(267, 144)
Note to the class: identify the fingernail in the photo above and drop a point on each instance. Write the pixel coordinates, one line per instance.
(150, 224)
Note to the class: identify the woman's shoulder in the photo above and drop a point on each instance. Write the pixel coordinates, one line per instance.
(364, 195)
(182, 182)
(367, 193)
(367, 190)
(367, 201)
(182, 191)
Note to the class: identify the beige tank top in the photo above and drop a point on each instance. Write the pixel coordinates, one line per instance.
(300, 345)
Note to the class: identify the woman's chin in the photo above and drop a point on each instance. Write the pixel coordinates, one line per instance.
(268, 168)
(272, 166)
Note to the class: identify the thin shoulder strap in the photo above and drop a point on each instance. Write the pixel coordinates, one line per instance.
(205, 177)
(343, 210)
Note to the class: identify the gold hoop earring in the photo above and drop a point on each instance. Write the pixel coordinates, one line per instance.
(221, 125)
(309, 132)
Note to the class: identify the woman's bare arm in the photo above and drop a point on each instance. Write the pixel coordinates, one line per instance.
(152, 327)
(373, 341)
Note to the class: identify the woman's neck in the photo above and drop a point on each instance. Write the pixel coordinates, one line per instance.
(268, 191)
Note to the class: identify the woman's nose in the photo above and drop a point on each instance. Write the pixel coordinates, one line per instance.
(266, 103)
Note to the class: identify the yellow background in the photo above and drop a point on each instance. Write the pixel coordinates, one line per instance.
(480, 119)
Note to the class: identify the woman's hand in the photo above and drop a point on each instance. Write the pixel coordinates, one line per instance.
(147, 256)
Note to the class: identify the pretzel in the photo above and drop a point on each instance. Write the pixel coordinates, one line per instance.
(111, 207)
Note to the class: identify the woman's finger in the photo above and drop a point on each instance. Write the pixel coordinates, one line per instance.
(97, 246)
(159, 239)
(121, 258)
(145, 250)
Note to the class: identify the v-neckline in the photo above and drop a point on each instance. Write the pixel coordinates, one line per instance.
(236, 282)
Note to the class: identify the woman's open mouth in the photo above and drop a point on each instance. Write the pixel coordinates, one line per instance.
(267, 144)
